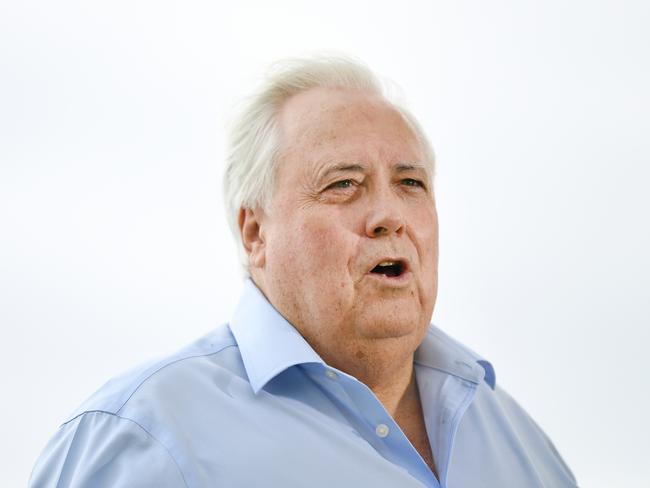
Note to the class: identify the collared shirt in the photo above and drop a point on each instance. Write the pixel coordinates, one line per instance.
(252, 404)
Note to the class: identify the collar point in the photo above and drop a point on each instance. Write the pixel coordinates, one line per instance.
(489, 375)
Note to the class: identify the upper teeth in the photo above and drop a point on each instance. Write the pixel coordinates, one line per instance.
(387, 263)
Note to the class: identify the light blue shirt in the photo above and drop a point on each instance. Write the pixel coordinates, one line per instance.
(251, 404)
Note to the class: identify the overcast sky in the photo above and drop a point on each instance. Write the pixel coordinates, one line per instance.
(115, 249)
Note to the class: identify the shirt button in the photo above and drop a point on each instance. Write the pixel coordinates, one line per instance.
(331, 374)
(382, 430)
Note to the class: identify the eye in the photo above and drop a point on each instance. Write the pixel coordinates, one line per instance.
(342, 190)
(413, 182)
(342, 184)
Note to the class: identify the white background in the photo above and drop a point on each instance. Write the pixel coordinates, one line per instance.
(114, 246)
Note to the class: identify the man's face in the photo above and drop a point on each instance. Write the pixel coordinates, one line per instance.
(348, 249)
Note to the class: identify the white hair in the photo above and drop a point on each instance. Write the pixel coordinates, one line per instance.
(253, 145)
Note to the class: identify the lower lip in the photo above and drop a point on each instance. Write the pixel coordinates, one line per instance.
(393, 281)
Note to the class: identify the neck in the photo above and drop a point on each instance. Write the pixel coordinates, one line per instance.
(389, 374)
(395, 396)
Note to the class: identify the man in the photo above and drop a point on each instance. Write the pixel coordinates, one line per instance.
(329, 373)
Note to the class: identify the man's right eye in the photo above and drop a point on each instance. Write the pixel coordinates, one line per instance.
(342, 184)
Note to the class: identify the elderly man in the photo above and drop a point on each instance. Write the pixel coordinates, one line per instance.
(329, 373)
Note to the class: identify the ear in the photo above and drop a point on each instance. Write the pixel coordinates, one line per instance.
(252, 235)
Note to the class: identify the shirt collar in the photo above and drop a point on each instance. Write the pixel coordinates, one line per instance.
(269, 344)
(441, 352)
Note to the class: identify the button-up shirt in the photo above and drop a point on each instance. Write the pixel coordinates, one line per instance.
(252, 404)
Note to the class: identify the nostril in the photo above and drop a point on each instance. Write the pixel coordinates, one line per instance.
(378, 226)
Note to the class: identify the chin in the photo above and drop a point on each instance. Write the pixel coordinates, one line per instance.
(389, 325)
(392, 317)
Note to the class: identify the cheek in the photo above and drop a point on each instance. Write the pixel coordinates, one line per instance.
(425, 235)
(314, 238)
(326, 248)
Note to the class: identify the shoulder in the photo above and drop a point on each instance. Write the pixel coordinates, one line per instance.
(494, 417)
(508, 421)
(151, 378)
(105, 450)
(135, 421)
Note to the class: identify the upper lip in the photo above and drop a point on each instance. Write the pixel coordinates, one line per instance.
(406, 265)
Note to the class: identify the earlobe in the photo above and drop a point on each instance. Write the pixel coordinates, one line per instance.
(252, 236)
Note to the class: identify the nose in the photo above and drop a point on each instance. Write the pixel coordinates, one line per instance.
(385, 216)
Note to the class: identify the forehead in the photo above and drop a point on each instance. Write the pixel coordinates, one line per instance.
(346, 126)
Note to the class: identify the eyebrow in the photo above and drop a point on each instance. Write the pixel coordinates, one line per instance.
(404, 167)
(359, 168)
(342, 168)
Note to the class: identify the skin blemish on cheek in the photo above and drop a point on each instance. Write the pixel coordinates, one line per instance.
(360, 355)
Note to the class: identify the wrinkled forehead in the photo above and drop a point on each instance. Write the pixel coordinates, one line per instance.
(346, 126)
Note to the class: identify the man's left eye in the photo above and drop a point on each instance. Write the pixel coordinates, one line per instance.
(412, 182)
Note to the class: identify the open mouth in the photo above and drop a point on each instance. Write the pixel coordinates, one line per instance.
(389, 268)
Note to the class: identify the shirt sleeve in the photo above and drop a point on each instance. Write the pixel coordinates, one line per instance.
(100, 449)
